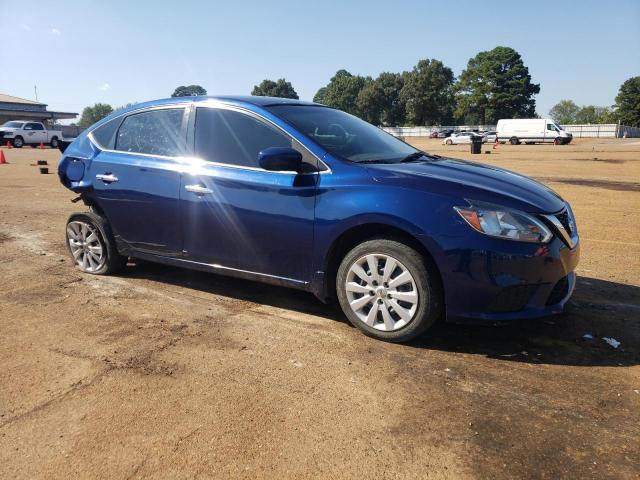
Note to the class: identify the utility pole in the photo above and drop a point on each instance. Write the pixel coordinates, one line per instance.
(35, 89)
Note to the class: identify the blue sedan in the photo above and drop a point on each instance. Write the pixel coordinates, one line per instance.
(306, 196)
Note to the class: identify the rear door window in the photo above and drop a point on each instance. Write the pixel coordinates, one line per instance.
(155, 132)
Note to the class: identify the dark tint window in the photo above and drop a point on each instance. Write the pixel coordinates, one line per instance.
(343, 135)
(227, 136)
(36, 126)
(105, 135)
(157, 132)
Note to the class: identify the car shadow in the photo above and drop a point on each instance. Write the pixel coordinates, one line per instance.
(598, 309)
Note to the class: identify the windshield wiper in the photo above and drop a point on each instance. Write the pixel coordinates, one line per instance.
(412, 157)
(378, 160)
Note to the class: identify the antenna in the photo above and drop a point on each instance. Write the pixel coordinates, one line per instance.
(35, 89)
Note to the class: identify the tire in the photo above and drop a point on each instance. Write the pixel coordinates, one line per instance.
(557, 141)
(18, 142)
(421, 303)
(514, 141)
(449, 142)
(98, 256)
(54, 142)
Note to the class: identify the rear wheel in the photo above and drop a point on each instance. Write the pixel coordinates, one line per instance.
(386, 289)
(514, 141)
(91, 245)
(54, 142)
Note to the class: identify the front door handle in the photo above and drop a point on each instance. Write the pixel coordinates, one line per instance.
(107, 177)
(198, 189)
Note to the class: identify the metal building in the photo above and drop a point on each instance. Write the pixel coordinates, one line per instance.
(15, 108)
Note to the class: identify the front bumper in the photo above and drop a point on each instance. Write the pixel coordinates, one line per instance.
(498, 280)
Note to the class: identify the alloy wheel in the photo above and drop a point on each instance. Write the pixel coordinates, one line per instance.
(382, 292)
(86, 246)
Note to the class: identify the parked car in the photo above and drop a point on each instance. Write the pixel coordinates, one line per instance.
(458, 138)
(21, 133)
(306, 196)
(532, 130)
(489, 137)
(447, 132)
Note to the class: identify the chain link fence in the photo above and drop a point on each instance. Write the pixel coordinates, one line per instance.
(605, 130)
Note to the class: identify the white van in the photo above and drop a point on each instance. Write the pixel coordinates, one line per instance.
(531, 130)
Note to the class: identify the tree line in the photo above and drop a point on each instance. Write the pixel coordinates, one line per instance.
(495, 84)
(626, 110)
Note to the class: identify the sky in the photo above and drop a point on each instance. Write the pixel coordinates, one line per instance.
(82, 52)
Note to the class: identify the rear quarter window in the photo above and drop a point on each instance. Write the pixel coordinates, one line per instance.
(155, 132)
(105, 135)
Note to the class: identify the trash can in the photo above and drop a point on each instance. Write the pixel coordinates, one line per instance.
(476, 144)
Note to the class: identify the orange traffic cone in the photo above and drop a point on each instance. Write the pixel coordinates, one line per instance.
(9, 144)
(3, 160)
(41, 146)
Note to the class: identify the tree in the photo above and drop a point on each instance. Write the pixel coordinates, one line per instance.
(379, 100)
(281, 88)
(188, 91)
(564, 112)
(342, 92)
(427, 93)
(91, 115)
(496, 84)
(628, 102)
(591, 114)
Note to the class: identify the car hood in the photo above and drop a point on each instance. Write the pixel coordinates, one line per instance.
(473, 181)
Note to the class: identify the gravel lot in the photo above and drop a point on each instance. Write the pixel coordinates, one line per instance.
(161, 372)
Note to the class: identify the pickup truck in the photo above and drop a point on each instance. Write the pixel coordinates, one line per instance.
(21, 133)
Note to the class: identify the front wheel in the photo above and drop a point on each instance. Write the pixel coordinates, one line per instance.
(91, 245)
(18, 142)
(449, 142)
(388, 290)
(514, 141)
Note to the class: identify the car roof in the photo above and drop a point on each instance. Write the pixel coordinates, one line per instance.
(262, 101)
(239, 100)
(233, 99)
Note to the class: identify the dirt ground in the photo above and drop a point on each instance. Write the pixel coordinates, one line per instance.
(161, 372)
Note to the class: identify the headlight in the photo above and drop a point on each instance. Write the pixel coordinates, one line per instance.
(503, 222)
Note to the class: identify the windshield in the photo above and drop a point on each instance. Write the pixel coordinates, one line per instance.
(344, 135)
(13, 124)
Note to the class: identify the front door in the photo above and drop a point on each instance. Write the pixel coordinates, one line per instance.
(137, 184)
(33, 133)
(551, 133)
(237, 215)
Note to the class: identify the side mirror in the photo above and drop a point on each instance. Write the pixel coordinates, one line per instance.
(280, 159)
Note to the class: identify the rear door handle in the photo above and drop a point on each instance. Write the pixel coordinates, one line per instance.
(198, 189)
(107, 177)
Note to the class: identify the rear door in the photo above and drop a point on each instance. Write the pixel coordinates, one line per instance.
(137, 180)
(40, 133)
(237, 215)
